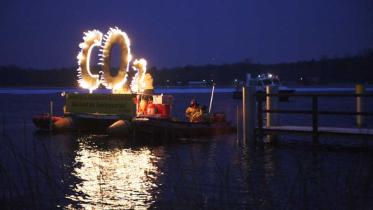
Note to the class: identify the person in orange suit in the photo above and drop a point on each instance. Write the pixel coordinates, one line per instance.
(194, 113)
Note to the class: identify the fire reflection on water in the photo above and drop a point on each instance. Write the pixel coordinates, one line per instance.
(114, 178)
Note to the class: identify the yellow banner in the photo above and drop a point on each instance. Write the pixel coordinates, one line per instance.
(119, 104)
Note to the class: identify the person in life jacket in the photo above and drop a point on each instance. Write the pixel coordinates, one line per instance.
(150, 109)
(193, 113)
(142, 109)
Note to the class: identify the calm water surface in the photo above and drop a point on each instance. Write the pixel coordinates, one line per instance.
(72, 170)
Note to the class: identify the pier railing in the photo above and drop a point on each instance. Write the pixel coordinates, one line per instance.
(260, 130)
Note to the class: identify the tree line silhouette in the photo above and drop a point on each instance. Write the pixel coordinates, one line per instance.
(350, 69)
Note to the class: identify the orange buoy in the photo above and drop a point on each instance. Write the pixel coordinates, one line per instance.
(59, 124)
(63, 124)
(120, 128)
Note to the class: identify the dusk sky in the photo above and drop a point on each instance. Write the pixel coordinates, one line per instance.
(169, 33)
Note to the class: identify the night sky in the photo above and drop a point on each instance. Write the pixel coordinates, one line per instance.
(169, 33)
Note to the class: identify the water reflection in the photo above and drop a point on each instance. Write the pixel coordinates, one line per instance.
(114, 177)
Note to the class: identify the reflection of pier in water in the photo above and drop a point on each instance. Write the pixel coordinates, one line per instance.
(114, 178)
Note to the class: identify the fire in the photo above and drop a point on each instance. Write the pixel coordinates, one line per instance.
(119, 82)
(88, 80)
(138, 82)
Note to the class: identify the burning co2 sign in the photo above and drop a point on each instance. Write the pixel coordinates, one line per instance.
(119, 82)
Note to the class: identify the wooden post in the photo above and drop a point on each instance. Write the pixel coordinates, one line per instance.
(248, 104)
(359, 89)
(251, 103)
(51, 116)
(238, 122)
(315, 120)
(260, 116)
(244, 113)
(271, 104)
(248, 78)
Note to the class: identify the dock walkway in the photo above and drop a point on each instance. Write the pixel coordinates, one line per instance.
(261, 119)
(321, 130)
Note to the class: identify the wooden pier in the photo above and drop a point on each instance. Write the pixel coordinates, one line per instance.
(256, 130)
(321, 130)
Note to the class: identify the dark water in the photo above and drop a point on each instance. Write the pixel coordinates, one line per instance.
(44, 171)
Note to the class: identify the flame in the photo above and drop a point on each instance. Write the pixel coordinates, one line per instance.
(148, 82)
(138, 82)
(87, 80)
(117, 83)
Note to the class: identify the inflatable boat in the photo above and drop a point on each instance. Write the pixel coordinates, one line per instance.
(93, 123)
(45, 121)
(171, 129)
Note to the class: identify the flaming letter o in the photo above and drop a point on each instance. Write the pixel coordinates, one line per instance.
(118, 82)
(88, 80)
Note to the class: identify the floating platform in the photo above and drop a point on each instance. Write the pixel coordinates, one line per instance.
(153, 128)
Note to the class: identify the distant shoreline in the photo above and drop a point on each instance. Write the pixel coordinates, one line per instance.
(331, 85)
(195, 90)
(326, 71)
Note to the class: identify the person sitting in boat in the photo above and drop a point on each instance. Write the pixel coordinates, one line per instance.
(194, 112)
